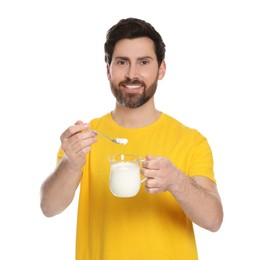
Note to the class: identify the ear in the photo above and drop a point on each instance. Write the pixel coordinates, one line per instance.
(162, 70)
(108, 72)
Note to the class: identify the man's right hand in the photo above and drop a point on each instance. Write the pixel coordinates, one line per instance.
(76, 142)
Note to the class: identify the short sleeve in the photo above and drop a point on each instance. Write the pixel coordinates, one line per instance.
(202, 160)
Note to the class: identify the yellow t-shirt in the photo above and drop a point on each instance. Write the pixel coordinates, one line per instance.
(147, 226)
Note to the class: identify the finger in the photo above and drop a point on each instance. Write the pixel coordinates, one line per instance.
(83, 143)
(152, 190)
(80, 136)
(151, 183)
(78, 149)
(148, 172)
(79, 122)
(151, 164)
(72, 130)
(151, 157)
(82, 151)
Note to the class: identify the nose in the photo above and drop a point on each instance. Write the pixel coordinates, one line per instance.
(132, 72)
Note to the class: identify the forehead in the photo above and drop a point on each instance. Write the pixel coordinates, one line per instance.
(137, 47)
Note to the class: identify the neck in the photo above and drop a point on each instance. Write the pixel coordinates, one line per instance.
(136, 117)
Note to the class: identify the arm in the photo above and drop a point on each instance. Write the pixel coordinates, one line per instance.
(58, 190)
(197, 196)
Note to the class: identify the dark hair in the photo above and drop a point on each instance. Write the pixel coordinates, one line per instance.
(132, 28)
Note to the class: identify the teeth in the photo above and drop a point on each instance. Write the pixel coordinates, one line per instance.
(133, 87)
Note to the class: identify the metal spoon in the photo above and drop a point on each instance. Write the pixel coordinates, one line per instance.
(123, 141)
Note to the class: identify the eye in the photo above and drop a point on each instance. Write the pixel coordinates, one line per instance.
(144, 62)
(121, 62)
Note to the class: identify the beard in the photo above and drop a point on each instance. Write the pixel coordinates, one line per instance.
(133, 100)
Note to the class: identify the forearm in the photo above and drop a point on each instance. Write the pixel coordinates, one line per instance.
(200, 203)
(59, 189)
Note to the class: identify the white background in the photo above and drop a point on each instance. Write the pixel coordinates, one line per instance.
(52, 73)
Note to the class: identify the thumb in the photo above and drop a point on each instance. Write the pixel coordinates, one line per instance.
(149, 157)
(79, 122)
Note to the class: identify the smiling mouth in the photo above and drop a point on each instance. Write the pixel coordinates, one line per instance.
(133, 87)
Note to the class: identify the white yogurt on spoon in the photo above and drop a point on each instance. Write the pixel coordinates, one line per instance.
(123, 141)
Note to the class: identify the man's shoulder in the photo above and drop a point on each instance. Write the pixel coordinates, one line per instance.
(97, 120)
(173, 123)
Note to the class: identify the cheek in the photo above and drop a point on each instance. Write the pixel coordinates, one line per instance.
(116, 75)
(149, 72)
(150, 76)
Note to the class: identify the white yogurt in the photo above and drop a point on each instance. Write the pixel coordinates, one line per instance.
(123, 141)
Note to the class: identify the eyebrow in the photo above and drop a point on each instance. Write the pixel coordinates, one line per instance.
(127, 59)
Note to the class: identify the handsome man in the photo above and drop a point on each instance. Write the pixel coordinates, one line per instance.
(180, 188)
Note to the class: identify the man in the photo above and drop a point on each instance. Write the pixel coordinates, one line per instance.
(180, 187)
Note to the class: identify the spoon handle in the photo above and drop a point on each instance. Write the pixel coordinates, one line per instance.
(98, 133)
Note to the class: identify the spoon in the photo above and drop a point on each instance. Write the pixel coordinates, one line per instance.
(123, 141)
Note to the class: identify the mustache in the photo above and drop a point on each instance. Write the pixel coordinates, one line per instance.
(132, 82)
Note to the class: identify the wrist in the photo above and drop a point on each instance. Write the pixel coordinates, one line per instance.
(70, 166)
(178, 182)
